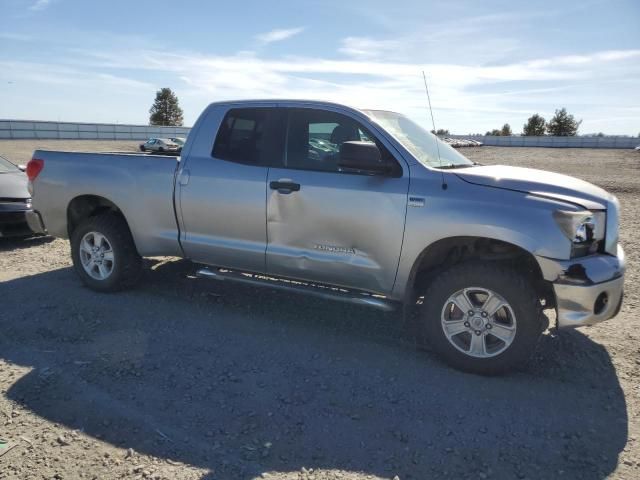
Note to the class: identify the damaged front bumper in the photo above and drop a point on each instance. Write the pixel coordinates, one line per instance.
(588, 290)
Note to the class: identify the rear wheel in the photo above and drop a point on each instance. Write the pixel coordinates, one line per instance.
(104, 254)
(482, 317)
(142, 148)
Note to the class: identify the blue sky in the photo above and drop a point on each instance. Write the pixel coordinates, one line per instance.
(487, 62)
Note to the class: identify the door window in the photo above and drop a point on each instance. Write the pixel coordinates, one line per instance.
(253, 136)
(315, 136)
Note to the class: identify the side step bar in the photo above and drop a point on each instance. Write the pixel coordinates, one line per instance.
(295, 286)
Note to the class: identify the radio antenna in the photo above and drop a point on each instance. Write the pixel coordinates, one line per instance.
(433, 122)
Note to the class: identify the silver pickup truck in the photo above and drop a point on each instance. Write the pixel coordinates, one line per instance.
(361, 206)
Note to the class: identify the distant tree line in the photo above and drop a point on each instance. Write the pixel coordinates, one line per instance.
(505, 131)
(562, 124)
(441, 132)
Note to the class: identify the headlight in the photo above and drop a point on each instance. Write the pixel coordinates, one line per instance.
(584, 229)
(577, 226)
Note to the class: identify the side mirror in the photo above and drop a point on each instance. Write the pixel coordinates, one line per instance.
(362, 157)
(22, 168)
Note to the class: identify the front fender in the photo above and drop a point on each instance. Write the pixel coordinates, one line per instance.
(466, 210)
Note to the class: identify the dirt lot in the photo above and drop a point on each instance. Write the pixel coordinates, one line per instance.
(184, 379)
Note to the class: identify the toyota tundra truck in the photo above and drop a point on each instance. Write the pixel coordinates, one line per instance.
(362, 206)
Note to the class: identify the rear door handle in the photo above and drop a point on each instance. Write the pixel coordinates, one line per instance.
(184, 177)
(285, 186)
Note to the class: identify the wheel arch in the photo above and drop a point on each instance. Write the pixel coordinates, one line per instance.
(85, 206)
(450, 251)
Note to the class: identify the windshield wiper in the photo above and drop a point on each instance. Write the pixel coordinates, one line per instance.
(452, 166)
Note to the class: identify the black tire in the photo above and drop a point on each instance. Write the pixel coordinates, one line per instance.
(127, 263)
(161, 150)
(142, 148)
(506, 282)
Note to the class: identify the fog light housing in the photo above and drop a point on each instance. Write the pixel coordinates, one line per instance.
(600, 303)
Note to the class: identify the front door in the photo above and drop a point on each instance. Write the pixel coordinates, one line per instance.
(326, 225)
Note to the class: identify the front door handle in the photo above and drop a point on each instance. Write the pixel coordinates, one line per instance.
(285, 186)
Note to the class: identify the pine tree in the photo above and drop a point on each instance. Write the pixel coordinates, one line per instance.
(165, 110)
(535, 126)
(563, 125)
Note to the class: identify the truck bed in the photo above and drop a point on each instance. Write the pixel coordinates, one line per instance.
(141, 186)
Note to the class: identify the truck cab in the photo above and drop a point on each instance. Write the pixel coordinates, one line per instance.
(269, 194)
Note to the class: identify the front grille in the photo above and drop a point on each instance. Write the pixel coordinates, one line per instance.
(15, 200)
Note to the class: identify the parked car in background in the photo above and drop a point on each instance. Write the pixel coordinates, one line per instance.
(160, 145)
(462, 142)
(179, 141)
(361, 206)
(15, 200)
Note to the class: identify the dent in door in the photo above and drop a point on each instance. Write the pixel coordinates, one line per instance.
(304, 251)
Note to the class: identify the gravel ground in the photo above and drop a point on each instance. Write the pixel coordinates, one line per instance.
(186, 379)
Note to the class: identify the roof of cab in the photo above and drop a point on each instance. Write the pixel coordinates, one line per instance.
(286, 103)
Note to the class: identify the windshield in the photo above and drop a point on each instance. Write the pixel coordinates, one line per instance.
(422, 144)
(6, 166)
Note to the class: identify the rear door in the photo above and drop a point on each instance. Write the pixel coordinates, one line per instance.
(222, 187)
(326, 225)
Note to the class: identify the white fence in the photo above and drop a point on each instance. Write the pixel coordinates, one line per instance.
(555, 142)
(24, 129)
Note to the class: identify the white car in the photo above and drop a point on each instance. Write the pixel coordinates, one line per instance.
(160, 145)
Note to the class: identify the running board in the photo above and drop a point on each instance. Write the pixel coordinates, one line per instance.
(296, 286)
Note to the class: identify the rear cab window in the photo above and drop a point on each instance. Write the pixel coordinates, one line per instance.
(252, 136)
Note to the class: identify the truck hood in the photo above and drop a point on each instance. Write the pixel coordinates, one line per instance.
(13, 185)
(538, 182)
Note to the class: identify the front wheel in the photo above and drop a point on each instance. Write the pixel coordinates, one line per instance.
(104, 254)
(482, 317)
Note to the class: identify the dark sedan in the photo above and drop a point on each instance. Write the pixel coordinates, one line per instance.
(15, 201)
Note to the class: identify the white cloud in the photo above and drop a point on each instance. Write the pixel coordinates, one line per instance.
(31, 72)
(278, 35)
(578, 60)
(40, 5)
(484, 38)
(465, 97)
(365, 47)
